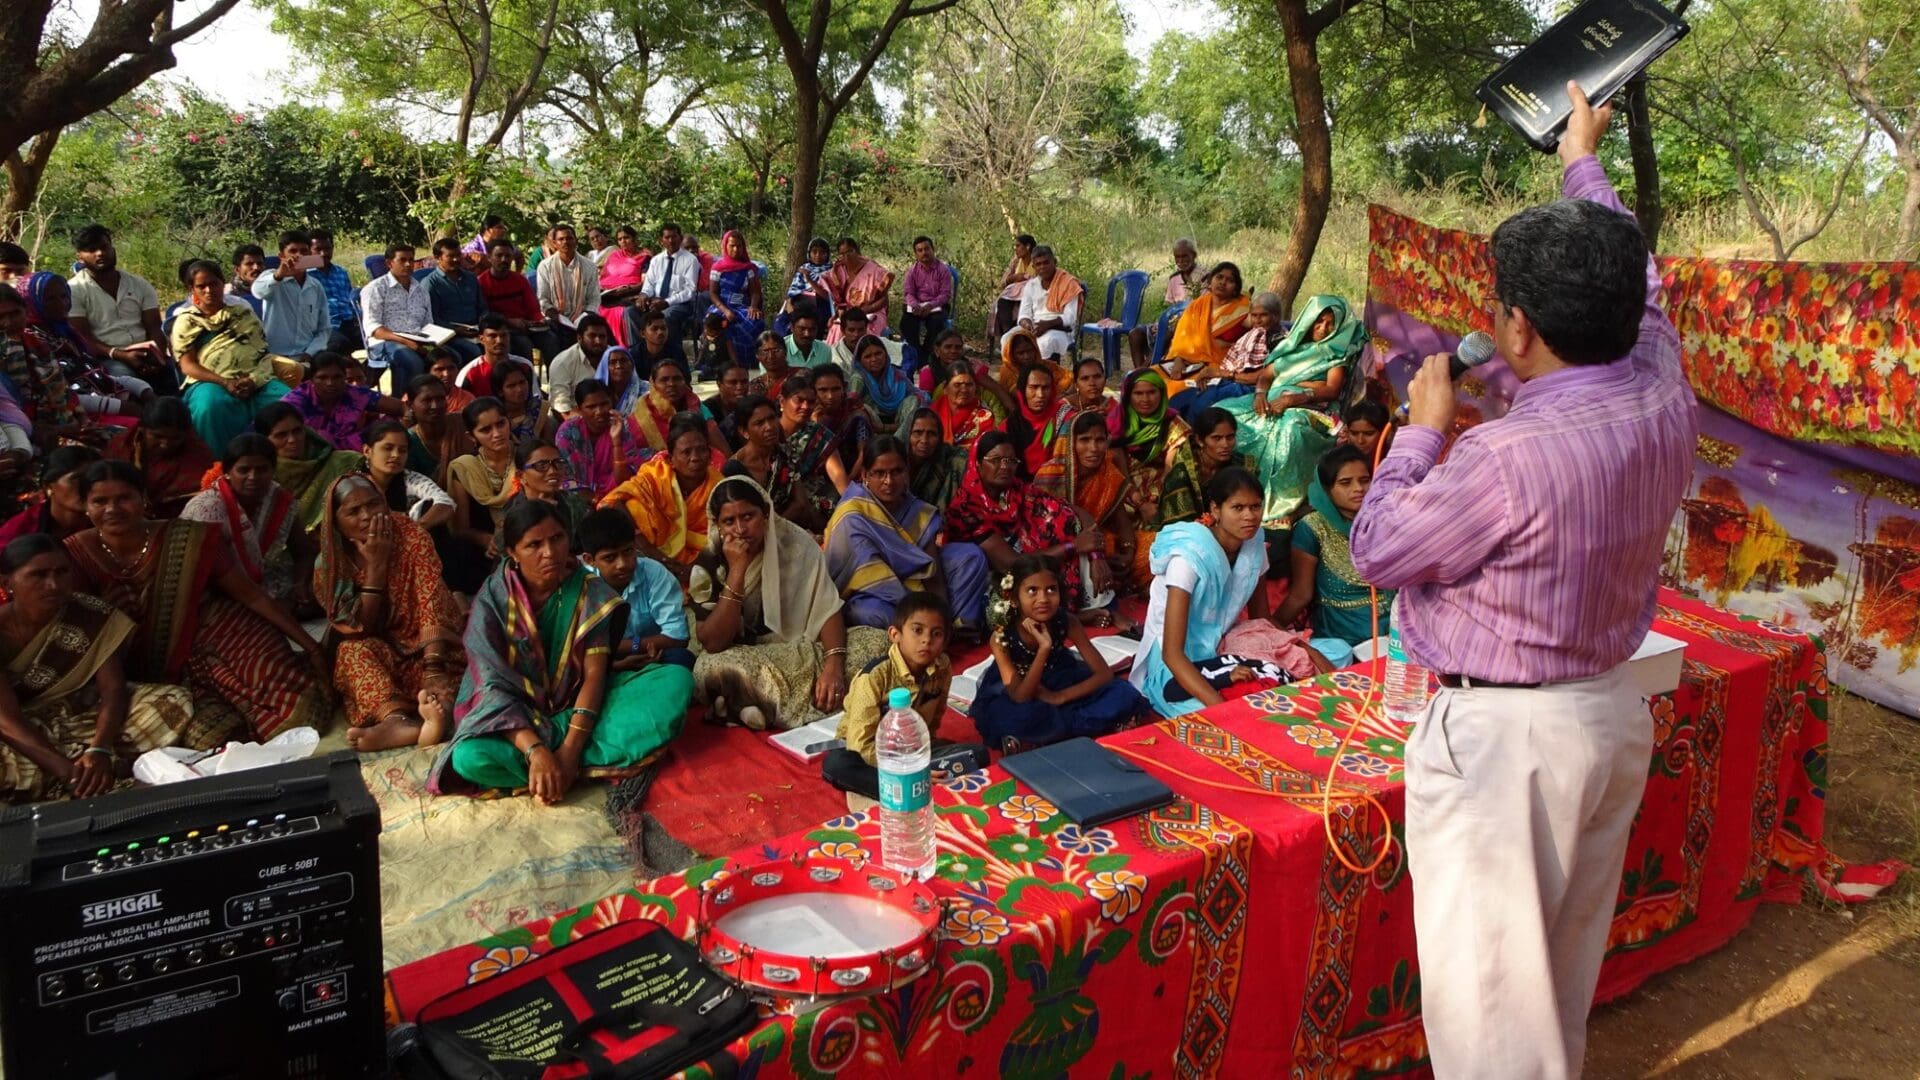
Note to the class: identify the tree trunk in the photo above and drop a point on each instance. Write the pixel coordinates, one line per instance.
(24, 172)
(808, 142)
(1646, 163)
(1910, 208)
(1315, 140)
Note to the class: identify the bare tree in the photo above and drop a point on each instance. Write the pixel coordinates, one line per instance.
(1876, 69)
(1008, 105)
(53, 81)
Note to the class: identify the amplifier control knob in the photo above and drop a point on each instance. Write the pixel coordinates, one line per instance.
(289, 1001)
(229, 949)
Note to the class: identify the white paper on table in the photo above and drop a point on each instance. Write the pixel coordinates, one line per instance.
(171, 764)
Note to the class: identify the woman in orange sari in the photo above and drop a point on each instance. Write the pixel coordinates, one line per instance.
(1021, 350)
(1083, 474)
(668, 395)
(392, 622)
(667, 497)
(1210, 324)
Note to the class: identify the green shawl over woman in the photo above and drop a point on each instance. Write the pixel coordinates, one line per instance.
(525, 668)
(1342, 603)
(1288, 445)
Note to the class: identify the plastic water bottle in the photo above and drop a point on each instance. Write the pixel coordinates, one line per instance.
(906, 788)
(1405, 691)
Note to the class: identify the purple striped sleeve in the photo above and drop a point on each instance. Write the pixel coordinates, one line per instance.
(1423, 522)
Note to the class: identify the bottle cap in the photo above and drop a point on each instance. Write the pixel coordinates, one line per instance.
(899, 698)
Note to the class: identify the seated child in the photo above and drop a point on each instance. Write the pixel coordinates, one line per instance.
(711, 350)
(656, 622)
(916, 661)
(1036, 691)
(1324, 583)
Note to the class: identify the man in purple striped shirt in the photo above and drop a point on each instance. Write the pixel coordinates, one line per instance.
(1527, 566)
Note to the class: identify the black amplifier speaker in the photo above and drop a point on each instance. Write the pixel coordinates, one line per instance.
(219, 929)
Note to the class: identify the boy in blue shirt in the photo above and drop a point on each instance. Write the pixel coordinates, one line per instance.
(656, 619)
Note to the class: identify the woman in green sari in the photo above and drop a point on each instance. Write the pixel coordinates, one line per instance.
(540, 705)
(1324, 583)
(1283, 425)
(306, 465)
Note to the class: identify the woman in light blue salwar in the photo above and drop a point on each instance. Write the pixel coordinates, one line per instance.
(1218, 567)
(1282, 423)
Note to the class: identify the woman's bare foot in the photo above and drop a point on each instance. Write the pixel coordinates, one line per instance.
(395, 730)
(433, 718)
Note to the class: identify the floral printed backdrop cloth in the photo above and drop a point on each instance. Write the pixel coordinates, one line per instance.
(1805, 508)
(1218, 936)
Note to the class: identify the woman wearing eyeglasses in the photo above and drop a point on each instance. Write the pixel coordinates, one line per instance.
(542, 473)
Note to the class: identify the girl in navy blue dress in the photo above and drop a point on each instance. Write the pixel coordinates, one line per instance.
(1037, 691)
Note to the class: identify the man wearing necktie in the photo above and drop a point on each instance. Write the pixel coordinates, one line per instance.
(671, 286)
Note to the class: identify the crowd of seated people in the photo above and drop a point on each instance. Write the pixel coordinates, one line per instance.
(476, 503)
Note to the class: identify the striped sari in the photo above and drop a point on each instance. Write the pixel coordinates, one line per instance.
(238, 665)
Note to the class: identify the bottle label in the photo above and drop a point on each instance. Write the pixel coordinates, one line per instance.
(1394, 650)
(905, 792)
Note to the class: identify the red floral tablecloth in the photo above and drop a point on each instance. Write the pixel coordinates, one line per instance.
(1219, 936)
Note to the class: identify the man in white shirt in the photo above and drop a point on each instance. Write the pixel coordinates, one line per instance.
(392, 306)
(1050, 305)
(672, 286)
(119, 312)
(568, 282)
(293, 303)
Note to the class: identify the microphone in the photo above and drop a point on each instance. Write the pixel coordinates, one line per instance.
(1475, 349)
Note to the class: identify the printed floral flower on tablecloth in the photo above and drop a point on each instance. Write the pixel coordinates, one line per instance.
(1018, 847)
(1312, 735)
(968, 782)
(961, 868)
(846, 821)
(1388, 747)
(977, 926)
(1077, 841)
(1027, 809)
(497, 961)
(840, 849)
(1119, 892)
(1273, 701)
(1352, 681)
(1365, 764)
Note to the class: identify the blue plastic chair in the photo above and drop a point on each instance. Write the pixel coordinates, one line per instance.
(1133, 284)
(376, 266)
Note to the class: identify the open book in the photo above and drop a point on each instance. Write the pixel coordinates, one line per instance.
(432, 334)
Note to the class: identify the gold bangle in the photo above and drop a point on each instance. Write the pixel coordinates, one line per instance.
(727, 593)
(839, 651)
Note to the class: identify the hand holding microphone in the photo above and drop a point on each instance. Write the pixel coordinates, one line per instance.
(1430, 398)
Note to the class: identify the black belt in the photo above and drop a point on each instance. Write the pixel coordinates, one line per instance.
(1468, 682)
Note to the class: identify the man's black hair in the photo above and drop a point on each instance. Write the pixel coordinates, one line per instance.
(1579, 271)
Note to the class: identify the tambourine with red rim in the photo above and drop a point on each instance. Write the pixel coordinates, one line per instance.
(818, 926)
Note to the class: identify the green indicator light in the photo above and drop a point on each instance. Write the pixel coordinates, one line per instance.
(166, 839)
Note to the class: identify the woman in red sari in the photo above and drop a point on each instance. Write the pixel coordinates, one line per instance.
(1009, 517)
(200, 620)
(169, 453)
(958, 405)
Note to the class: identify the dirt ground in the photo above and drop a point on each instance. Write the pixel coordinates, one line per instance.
(1805, 991)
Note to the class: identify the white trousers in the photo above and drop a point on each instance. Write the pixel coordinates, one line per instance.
(1519, 805)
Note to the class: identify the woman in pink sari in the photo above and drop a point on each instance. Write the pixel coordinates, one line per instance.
(856, 281)
(620, 278)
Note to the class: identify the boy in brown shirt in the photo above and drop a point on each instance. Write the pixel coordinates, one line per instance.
(917, 660)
